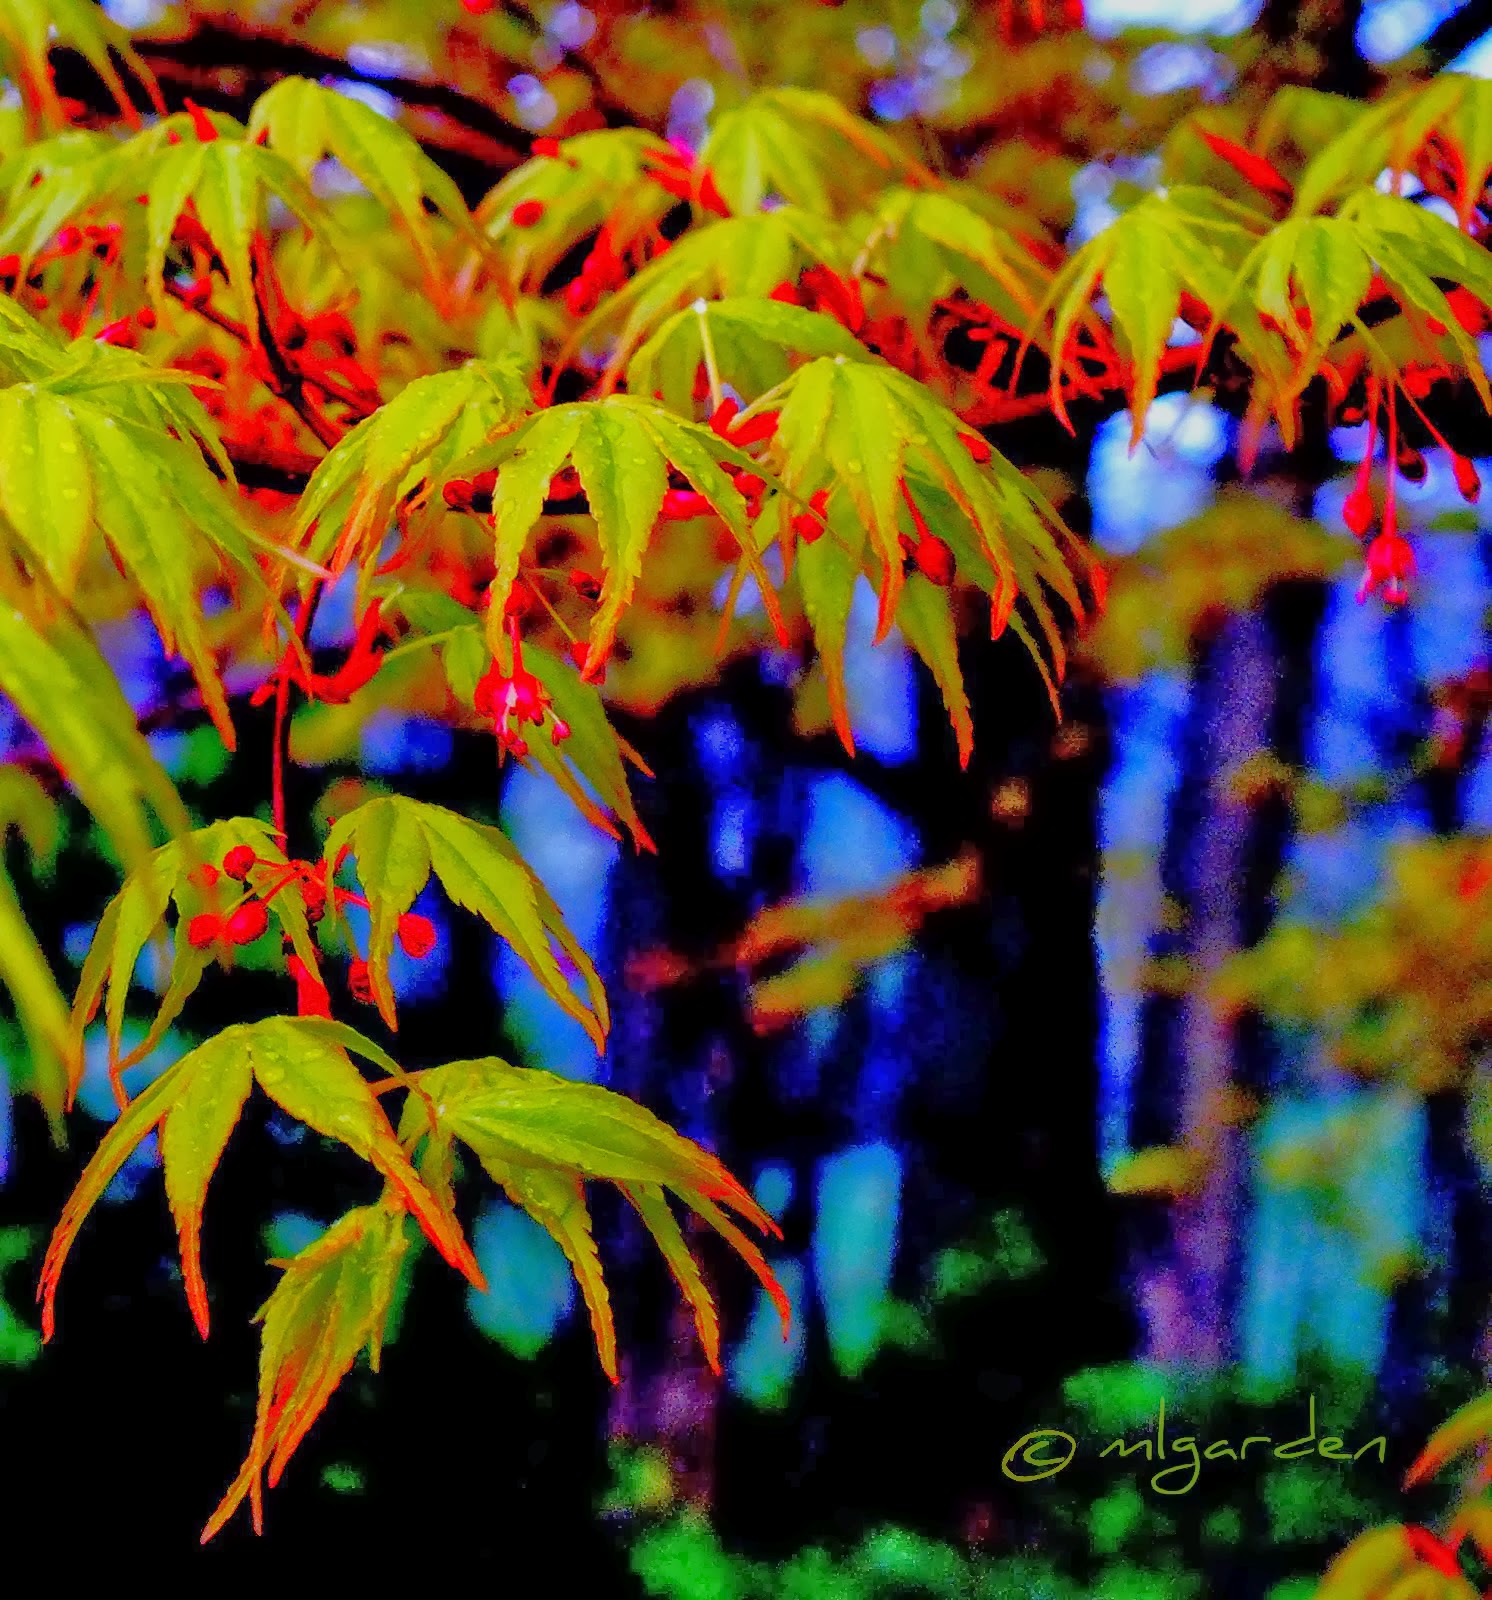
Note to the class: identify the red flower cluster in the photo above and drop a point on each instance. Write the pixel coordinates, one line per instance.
(1390, 565)
(601, 270)
(1390, 558)
(680, 174)
(513, 699)
(249, 919)
(930, 554)
(336, 688)
(459, 493)
(820, 289)
(811, 525)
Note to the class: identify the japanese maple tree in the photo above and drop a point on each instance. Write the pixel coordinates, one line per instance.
(538, 403)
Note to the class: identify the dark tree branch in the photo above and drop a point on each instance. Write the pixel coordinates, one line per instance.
(1457, 32)
(254, 60)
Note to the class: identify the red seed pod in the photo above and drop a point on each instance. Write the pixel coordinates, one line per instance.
(527, 213)
(934, 560)
(201, 122)
(586, 585)
(238, 861)
(1411, 465)
(146, 317)
(203, 877)
(578, 651)
(204, 930)
(457, 494)
(247, 923)
(1468, 480)
(313, 891)
(10, 266)
(360, 982)
(762, 426)
(750, 485)
(723, 415)
(416, 935)
(560, 730)
(478, 8)
(1358, 511)
(311, 998)
(484, 482)
(69, 241)
(679, 504)
(546, 147)
(977, 447)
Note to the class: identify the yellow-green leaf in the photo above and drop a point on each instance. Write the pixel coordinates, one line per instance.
(398, 842)
(332, 1303)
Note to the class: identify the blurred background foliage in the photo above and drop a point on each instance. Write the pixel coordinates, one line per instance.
(1146, 1057)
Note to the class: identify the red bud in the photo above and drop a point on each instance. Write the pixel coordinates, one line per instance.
(978, 448)
(934, 560)
(416, 935)
(247, 923)
(238, 861)
(1358, 511)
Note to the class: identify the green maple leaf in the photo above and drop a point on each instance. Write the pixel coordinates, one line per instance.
(805, 147)
(621, 447)
(1454, 107)
(592, 762)
(1185, 239)
(543, 1137)
(31, 29)
(730, 258)
(52, 672)
(229, 182)
(46, 183)
(868, 435)
(137, 913)
(225, 184)
(303, 1064)
(595, 178)
(26, 809)
(1413, 247)
(399, 842)
(1384, 1561)
(98, 446)
(752, 341)
(306, 122)
(399, 455)
(1311, 274)
(332, 1302)
(926, 242)
(71, 468)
